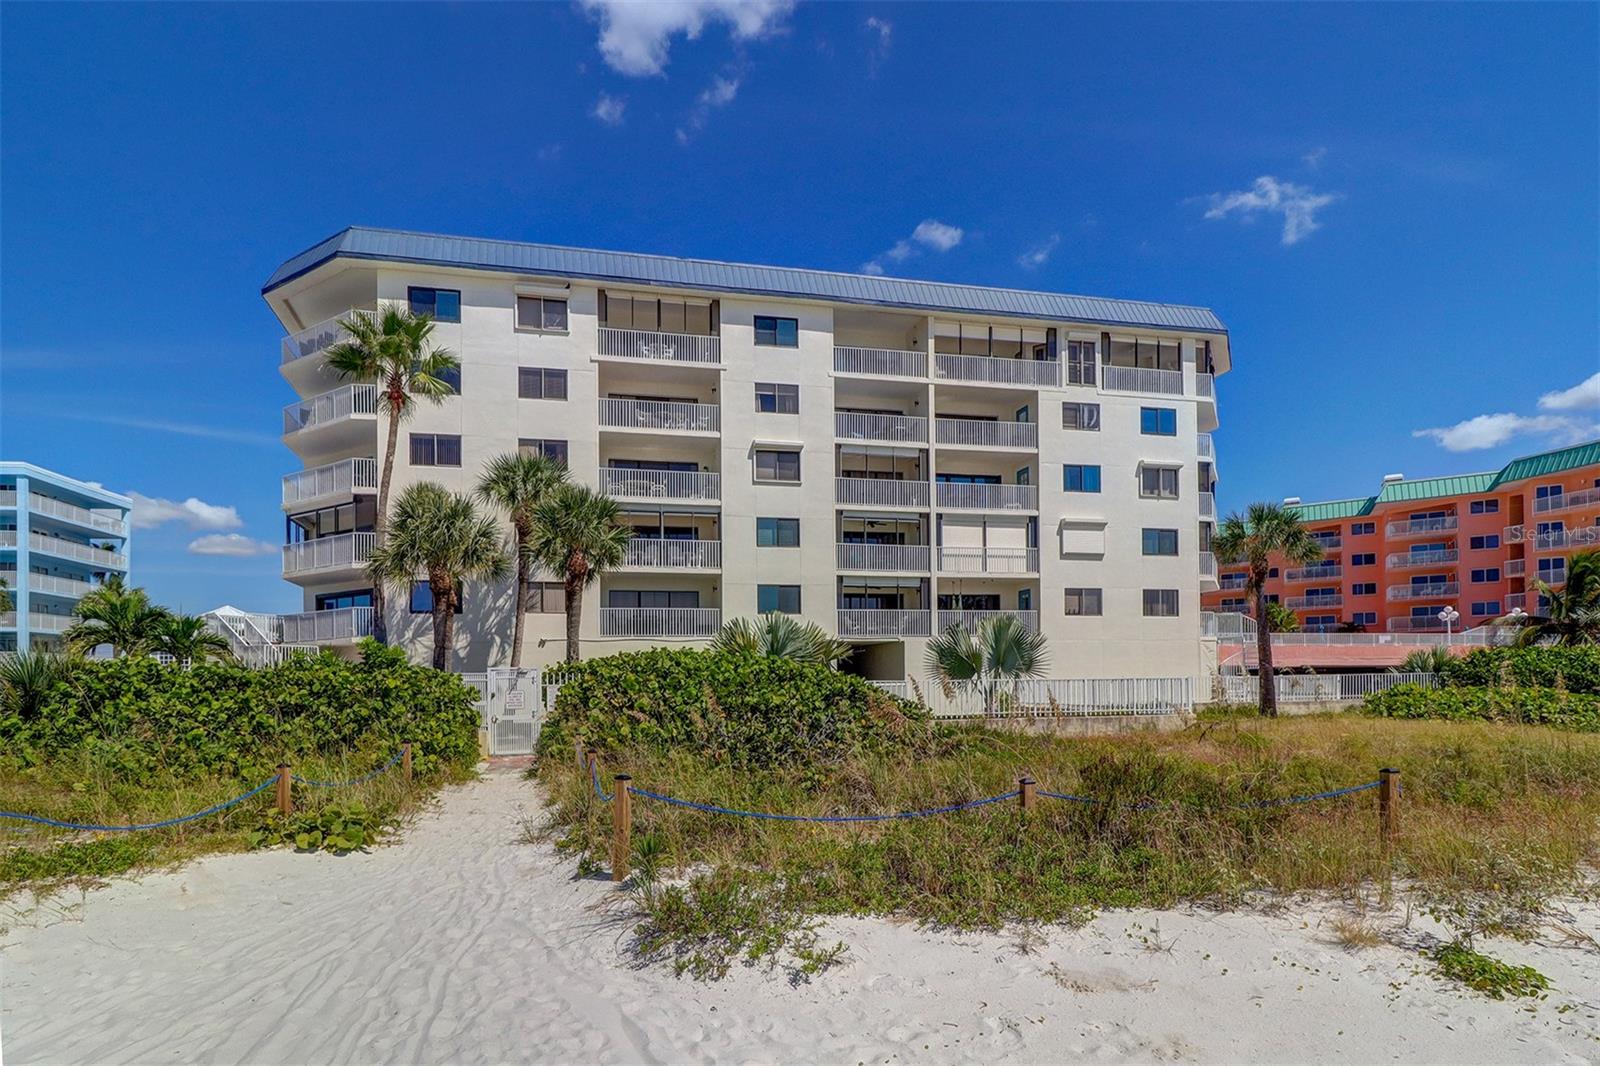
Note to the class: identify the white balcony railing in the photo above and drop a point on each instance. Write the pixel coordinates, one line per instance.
(71, 549)
(1516, 567)
(1205, 386)
(654, 552)
(1423, 624)
(852, 425)
(983, 368)
(660, 621)
(1328, 541)
(1577, 537)
(333, 479)
(1313, 603)
(1233, 582)
(883, 557)
(347, 551)
(884, 623)
(1142, 379)
(8, 538)
(318, 338)
(1322, 572)
(1205, 448)
(8, 619)
(970, 619)
(660, 484)
(321, 627)
(989, 560)
(669, 415)
(1579, 499)
(1418, 560)
(880, 492)
(880, 362)
(1421, 527)
(40, 622)
(1554, 575)
(660, 347)
(960, 495)
(1431, 590)
(8, 497)
(347, 402)
(1208, 566)
(1516, 600)
(51, 585)
(83, 516)
(980, 433)
(1208, 505)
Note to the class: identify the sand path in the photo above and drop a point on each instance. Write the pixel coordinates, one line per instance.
(463, 944)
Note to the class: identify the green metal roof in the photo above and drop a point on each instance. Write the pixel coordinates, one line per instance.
(1428, 488)
(1545, 463)
(1332, 509)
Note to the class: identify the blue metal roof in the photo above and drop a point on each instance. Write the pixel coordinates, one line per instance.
(636, 269)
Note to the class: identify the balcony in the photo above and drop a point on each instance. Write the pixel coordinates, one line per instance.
(652, 553)
(660, 622)
(970, 619)
(8, 619)
(1314, 603)
(1322, 572)
(316, 339)
(1421, 527)
(883, 558)
(99, 521)
(670, 416)
(987, 370)
(1328, 541)
(686, 485)
(1141, 379)
(962, 496)
(1208, 506)
(1205, 448)
(880, 362)
(8, 538)
(1515, 601)
(884, 623)
(1205, 386)
(1424, 624)
(347, 551)
(850, 425)
(690, 348)
(1579, 537)
(981, 433)
(71, 549)
(1516, 568)
(327, 627)
(988, 560)
(1420, 560)
(1233, 582)
(39, 622)
(330, 482)
(1579, 500)
(1432, 590)
(880, 492)
(51, 585)
(1208, 567)
(330, 408)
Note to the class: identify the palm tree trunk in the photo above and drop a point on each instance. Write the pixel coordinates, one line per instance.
(380, 625)
(441, 623)
(574, 591)
(1268, 686)
(521, 599)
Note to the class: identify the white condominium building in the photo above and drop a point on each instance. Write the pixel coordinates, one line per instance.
(879, 456)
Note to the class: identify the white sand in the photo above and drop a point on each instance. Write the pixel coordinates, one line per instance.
(462, 944)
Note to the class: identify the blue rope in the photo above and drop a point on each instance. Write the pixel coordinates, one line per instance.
(354, 780)
(268, 783)
(713, 809)
(594, 772)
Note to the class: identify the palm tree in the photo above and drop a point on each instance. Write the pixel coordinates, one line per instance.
(1572, 612)
(1432, 660)
(190, 639)
(443, 536)
(1265, 530)
(781, 636)
(517, 483)
(1280, 619)
(989, 658)
(393, 350)
(27, 677)
(116, 615)
(577, 534)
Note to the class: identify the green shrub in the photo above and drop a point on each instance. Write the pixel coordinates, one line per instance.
(1529, 706)
(1486, 974)
(337, 827)
(748, 710)
(1576, 669)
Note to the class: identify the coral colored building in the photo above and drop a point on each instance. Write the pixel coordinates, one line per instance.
(1474, 542)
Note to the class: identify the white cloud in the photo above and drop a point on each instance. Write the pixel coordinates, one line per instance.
(1490, 431)
(608, 109)
(184, 429)
(1296, 203)
(636, 36)
(1313, 159)
(235, 544)
(1038, 256)
(930, 233)
(1584, 394)
(152, 511)
(883, 31)
(719, 93)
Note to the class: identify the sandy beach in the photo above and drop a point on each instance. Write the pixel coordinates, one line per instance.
(463, 943)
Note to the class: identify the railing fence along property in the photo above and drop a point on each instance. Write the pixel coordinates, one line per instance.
(1062, 697)
(1318, 688)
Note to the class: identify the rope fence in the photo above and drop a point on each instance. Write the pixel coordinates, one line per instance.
(283, 779)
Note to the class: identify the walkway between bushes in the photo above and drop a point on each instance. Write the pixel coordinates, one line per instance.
(464, 943)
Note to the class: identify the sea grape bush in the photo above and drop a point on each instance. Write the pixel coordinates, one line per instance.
(1576, 669)
(1525, 705)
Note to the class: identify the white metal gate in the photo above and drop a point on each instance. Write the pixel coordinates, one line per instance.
(513, 704)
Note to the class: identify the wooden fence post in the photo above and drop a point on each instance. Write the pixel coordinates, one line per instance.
(1025, 792)
(405, 761)
(591, 764)
(1388, 805)
(285, 796)
(621, 828)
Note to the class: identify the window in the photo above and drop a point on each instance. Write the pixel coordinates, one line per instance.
(1158, 482)
(1364, 559)
(451, 376)
(335, 601)
(1080, 416)
(547, 597)
(538, 313)
(1486, 576)
(777, 332)
(1080, 478)
(553, 450)
(422, 598)
(1364, 588)
(674, 314)
(1161, 603)
(1084, 602)
(1487, 540)
(1161, 542)
(435, 449)
(777, 399)
(1272, 597)
(1485, 608)
(1547, 492)
(1272, 571)
(1364, 618)
(541, 383)
(1158, 421)
(1484, 507)
(779, 599)
(777, 466)
(1235, 603)
(1317, 622)
(1363, 529)
(777, 532)
(443, 304)
(1080, 363)
(653, 598)
(1553, 571)
(358, 516)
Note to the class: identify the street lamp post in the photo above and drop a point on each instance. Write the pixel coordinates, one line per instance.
(1448, 616)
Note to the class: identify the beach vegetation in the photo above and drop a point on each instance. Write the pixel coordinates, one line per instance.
(987, 659)
(577, 535)
(517, 483)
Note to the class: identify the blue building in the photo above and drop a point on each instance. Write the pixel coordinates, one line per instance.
(59, 538)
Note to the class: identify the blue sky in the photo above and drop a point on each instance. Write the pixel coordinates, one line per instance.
(1393, 208)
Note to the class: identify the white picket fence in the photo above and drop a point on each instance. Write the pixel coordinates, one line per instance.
(1057, 698)
(1319, 688)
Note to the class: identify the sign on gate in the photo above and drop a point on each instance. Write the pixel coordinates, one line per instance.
(515, 699)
